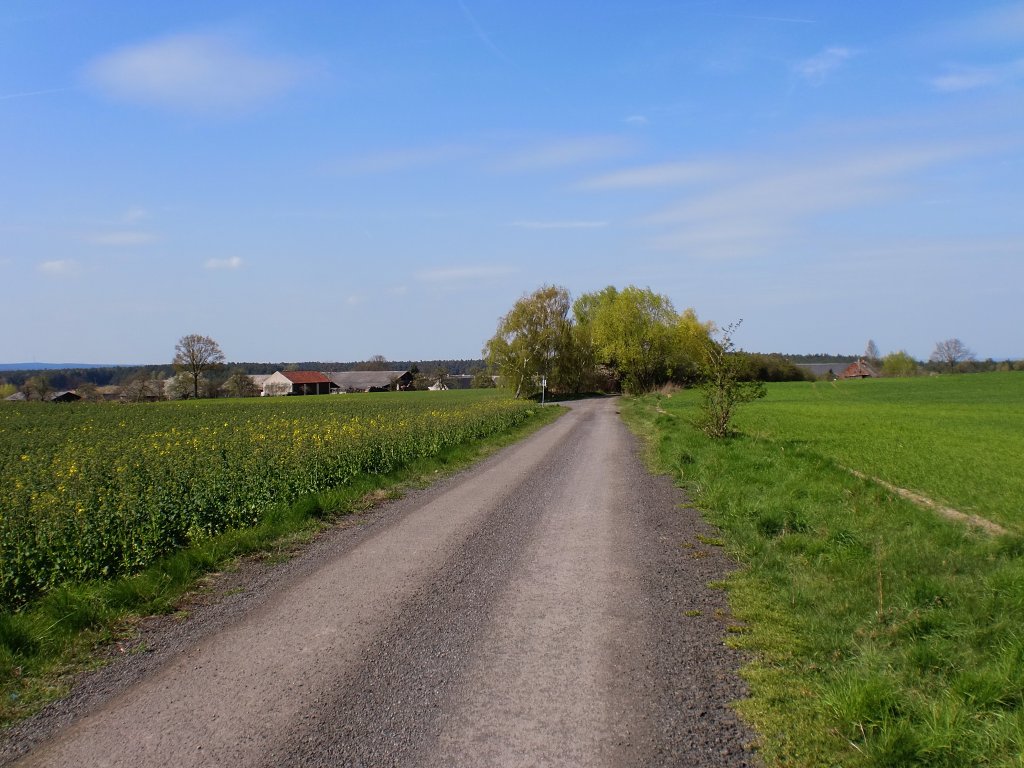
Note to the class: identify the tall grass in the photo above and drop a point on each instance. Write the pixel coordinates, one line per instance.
(882, 635)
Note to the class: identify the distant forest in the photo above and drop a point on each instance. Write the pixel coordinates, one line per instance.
(769, 367)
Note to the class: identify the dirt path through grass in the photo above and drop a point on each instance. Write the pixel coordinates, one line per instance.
(923, 501)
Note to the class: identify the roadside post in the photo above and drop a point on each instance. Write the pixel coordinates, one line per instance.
(543, 386)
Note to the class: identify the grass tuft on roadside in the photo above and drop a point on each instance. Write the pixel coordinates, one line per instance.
(45, 643)
(880, 634)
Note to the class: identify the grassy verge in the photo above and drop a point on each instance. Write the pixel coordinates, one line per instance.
(881, 635)
(45, 643)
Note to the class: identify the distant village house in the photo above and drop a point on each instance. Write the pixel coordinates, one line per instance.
(370, 381)
(297, 383)
(332, 382)
(859, 370)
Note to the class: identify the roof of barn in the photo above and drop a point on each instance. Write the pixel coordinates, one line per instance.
(305, 377)
(362, 380)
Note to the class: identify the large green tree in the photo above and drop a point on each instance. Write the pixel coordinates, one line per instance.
(638, 334)
(530, 340)
(633, 335)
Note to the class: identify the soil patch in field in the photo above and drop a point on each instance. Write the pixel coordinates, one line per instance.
(923, 501)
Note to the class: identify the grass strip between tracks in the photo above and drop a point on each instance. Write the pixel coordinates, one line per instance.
(880, 633)
(44, 644)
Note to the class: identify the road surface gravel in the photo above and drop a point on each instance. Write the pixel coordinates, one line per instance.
(547, 607)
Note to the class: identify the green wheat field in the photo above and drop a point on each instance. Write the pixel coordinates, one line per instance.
(880, 633)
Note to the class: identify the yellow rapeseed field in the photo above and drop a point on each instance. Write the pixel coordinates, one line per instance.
(96, 490)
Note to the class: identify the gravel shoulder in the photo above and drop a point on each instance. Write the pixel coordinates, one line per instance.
(546, 607)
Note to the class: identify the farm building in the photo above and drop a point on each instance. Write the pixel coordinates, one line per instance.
(67, 396)
(859, 370)
(109, 392)
(297, 383)
(370, 381)
(259, 379)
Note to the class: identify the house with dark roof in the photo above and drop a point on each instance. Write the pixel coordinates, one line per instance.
(65, 396)
(297, 383)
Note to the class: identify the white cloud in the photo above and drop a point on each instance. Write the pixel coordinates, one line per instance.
(59, 268)
(234, 262)
(817, 68)
(459, 274)
(203, 73)
(559, 224)
(121, 238)
(636, 120)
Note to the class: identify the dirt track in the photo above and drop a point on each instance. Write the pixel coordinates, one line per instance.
(530, 611)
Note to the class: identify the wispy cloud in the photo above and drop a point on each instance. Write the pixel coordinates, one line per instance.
(123, 238)
(25, 94)
(396, 160)
(234, 262)
(578, 224)
(817, 69)
(636, 120)
(135, 214)
(195, 73)
(999, 24)
(60, 268)
(569, 152)
(751, 212)
(461, 274)
(974, 78)
(658, 175)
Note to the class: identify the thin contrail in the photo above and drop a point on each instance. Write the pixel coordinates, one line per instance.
(5, 96)
(483, 35)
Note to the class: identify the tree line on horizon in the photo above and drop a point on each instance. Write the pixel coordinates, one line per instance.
(634, 340)
(140, 376)
(621, 368)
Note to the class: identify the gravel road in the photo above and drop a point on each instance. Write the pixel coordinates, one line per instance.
(547, 607)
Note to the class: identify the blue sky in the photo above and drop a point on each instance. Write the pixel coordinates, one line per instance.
(333, 180)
